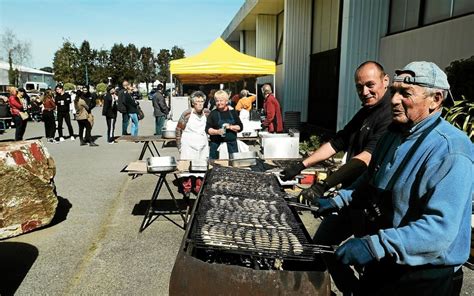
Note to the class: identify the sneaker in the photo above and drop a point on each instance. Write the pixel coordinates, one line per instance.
(72, 138)
(83, 143)
(111, 143)
(50, 140)
(92, 144)
(61, 139)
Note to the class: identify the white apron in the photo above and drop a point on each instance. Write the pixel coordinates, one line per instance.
(194, 143)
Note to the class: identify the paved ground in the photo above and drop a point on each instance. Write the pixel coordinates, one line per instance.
(94, 247)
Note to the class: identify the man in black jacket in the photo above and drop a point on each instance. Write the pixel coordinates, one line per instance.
(63, 102)
(123, 97)
(358, 139)
(160, 109)
(109, 110)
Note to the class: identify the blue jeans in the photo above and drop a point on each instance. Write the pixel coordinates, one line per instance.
(125, 120)
(134, 129)
(159, 123)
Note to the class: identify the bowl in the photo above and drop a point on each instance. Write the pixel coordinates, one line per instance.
(168, 134)
(161, 164)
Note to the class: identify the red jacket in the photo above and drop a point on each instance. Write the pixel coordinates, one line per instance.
(273, 114)
(15, 105)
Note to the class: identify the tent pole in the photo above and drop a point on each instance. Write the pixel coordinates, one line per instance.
(171, 90)
(256, 94)
(274, 86)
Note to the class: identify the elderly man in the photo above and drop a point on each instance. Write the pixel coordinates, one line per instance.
(273, 119)
(416, 195)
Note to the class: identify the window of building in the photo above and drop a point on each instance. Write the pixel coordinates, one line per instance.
(410, 14)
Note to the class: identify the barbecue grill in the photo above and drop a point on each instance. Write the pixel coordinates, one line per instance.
(241, 223)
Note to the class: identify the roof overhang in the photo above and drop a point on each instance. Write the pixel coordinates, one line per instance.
(246, 18)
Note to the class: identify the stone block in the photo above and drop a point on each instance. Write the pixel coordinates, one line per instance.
(27, 197)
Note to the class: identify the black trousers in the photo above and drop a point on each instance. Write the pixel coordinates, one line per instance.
(67, 118)
(85, 124)
(382, 278)
(20, 127)
(49, 124)
(110, 128)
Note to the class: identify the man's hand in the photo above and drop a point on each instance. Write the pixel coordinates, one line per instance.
(355, 251)
(312, 194)
(326, 206)
(290, 172)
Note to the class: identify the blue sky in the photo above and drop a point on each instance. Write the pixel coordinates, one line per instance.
(192, 25)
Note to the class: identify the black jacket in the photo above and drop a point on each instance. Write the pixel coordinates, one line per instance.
(62, 102)
(110, 106)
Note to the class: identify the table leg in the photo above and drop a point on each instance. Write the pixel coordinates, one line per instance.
(175, 203)
(149, 211)
(156, 149)
(145, 146)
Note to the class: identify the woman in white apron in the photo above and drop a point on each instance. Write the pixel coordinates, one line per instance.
(191, 137)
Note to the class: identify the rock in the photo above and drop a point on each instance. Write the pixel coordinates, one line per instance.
(27, 197)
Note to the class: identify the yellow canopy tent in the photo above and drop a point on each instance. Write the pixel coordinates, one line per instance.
(219, 63)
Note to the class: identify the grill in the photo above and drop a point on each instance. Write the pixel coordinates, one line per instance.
(242, 216)
(243, 239)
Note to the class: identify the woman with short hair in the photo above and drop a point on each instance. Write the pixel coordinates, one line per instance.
(223, 124)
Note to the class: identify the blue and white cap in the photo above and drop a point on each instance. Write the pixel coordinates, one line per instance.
(423, 73)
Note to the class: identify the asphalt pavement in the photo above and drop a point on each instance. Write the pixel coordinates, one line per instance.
(93, 246)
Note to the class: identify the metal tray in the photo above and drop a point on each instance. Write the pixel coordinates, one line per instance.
(240, 159)
(161, 164)
(198, 165)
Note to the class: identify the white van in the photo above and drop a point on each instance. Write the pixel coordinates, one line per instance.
(35, 86)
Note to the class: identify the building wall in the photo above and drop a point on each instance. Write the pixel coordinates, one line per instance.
(297, 30)
(364, 22)
(440, 43)
(325, 25)
(250, 43)
(266, 36)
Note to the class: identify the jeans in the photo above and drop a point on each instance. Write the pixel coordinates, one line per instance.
(159, 123)
(125, 120)
(67, 118)
(134, 129)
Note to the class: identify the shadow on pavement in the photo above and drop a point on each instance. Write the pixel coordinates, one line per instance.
(16, 260)
(61, 211)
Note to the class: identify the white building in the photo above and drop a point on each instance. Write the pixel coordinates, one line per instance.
(317, 45)
(26, 74)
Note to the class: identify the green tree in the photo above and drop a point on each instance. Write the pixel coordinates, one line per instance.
(132, 63)
(17, 53)
(47, 69)
(86, 64)
(163, 62)
(147, 66)
(102, 66)
(118, 54)
(66, 63)
(177, 53)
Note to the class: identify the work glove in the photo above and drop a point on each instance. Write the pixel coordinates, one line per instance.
(355, 251)
(290, 172)
(311, 195)
(326, 206)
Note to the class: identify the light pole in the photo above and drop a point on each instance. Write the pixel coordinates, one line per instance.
(87, 77)
(110, 80)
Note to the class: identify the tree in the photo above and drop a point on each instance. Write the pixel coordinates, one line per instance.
(118, 54)
(102, 66)
(132, 63)
(86, 66)
(177, 53)
(66, 63)
(147, 66)
(163, 62)
(17, 53)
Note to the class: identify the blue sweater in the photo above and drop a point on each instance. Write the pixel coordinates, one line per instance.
(431, 198)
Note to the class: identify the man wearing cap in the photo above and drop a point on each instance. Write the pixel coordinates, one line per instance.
(416, 195)
(358, 139)
(63, 102)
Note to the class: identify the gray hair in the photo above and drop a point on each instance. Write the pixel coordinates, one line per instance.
(429, 91)
(196, 94)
